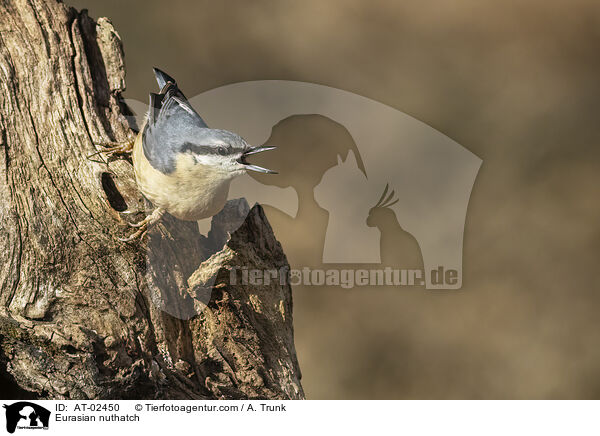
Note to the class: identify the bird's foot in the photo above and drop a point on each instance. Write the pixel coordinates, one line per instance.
(112, 148)
(144, 225)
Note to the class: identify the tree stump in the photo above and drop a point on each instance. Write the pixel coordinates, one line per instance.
(83, 315)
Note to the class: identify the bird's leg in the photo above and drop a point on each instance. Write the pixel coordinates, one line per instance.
(111, 148)
(144, 225)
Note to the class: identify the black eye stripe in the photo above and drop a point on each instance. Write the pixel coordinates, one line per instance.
(194, 148)
(206, 149)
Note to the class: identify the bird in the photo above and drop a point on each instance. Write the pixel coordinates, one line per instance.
(181, 165)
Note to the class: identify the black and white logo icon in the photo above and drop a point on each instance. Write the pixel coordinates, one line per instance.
(26, 415)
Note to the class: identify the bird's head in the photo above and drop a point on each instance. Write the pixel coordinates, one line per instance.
(224, 151)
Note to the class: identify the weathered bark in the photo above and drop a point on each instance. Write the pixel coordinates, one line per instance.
(83, 315)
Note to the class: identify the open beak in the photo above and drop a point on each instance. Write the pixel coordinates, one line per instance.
(249, 166)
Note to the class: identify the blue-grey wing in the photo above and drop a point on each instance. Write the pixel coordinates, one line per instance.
(172, 122)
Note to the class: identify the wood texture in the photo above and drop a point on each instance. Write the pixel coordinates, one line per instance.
(83, 315)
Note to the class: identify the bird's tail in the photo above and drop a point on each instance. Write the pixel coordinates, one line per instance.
(163, 78)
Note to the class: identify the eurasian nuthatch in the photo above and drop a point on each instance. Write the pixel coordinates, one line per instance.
(181, 165)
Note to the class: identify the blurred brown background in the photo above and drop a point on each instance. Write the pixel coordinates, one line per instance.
(515, 82)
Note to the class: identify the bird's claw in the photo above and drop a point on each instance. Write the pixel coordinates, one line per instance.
(143, 226)
(111, 148)
(140, 233)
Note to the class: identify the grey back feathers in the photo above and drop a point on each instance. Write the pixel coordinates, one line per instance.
(174, 127)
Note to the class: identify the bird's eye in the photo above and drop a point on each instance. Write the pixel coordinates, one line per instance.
(222, 150)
